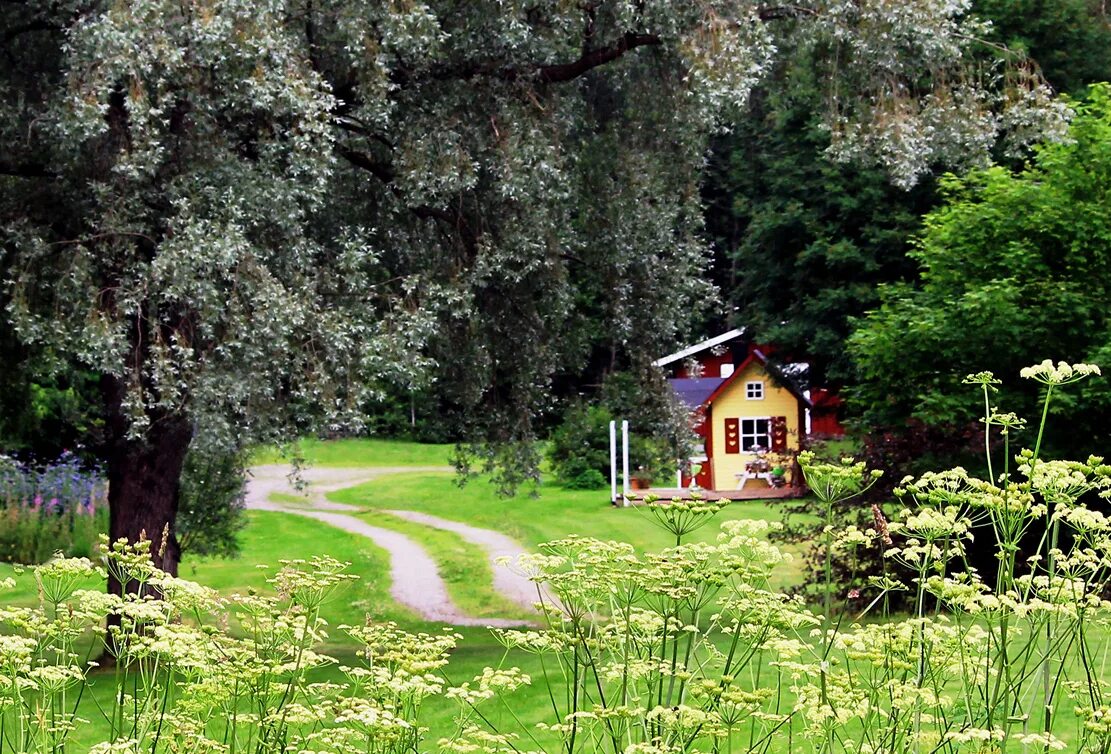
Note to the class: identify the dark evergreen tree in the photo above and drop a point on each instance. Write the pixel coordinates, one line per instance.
(803, 241)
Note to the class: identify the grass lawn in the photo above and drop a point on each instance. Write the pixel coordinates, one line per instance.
(270, 537)
(556, 513)
(361, 451)
(464, 567)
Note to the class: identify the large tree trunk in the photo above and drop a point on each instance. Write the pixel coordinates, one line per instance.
(144, 477)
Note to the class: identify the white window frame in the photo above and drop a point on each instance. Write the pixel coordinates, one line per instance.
(749, 392)
(762, 440)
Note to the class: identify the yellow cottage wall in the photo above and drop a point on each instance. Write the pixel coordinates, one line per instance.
(731, 404)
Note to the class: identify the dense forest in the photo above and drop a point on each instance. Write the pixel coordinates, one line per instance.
(805, 246)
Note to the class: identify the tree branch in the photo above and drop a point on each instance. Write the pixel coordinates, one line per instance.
(454, 219)
(777, 12)
(550, 74)
(545, 73)
(362, 160)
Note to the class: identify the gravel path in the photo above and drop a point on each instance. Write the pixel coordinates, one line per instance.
(415, 580)
(512, 585)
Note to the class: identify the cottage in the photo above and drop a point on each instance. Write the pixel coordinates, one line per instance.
(746, 407)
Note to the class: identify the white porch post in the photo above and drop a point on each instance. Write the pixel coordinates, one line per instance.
(613, 462)
(625, 458)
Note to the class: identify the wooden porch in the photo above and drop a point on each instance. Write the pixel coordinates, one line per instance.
(748, 492)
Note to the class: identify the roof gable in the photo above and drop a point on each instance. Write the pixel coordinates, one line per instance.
(756, 357)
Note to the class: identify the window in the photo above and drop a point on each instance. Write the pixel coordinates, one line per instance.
(726, 369)
(755, 433)
(754, 391)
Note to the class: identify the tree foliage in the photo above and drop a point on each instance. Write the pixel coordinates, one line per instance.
(1069, 40)
(803, 240)
(1014, 267)
(213, 497)
(45, 414)
(248, 218)
(578, 450)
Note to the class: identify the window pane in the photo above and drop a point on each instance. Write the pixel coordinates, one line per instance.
(755, 433)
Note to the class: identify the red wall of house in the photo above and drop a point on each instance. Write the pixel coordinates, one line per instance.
(824, 422)
(710, 362)
(705, 476)
(824, 415)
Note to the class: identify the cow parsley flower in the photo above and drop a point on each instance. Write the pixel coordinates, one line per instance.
(1061, 374)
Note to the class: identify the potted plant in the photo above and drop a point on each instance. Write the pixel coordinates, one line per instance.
(641, 478)
(648, 457)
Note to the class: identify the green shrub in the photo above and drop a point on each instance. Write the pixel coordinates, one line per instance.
(581, 444)
(210, 509)
(586, 479)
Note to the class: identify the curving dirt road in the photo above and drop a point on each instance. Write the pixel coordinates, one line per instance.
(416, 582)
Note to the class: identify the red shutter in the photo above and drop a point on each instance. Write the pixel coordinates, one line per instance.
(732, 435)
(779, 434)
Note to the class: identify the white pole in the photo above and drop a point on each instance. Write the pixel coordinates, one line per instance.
(613, 462)
(625, 457)
(679, 473)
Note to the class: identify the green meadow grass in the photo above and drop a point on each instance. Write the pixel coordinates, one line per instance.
(553, 514)
(464, 567)
(267, 539)
(362, 451)
(270, 537)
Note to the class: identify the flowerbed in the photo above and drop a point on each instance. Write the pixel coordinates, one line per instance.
(58, 507)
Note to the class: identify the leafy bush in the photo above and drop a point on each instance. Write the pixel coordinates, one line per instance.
(580, 445)
(60, 507)
(585, 479)
(1009, 262)
(210, 510)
